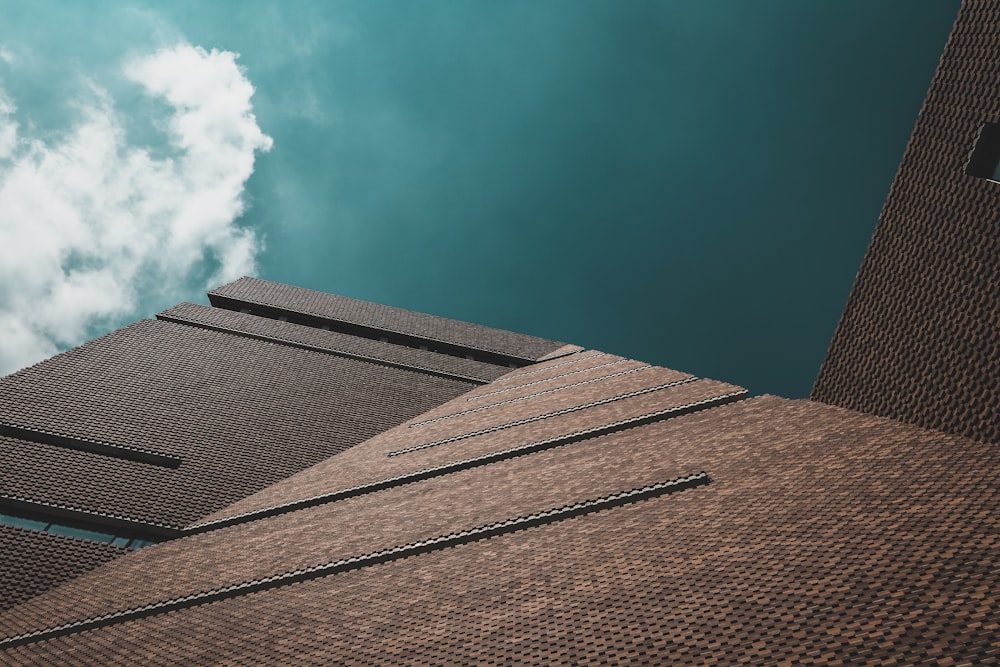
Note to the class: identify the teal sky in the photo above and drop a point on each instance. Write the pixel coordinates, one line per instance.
(691, 183)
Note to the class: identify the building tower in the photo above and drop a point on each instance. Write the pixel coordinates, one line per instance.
(919, 340)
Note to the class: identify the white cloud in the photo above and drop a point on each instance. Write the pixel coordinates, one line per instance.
(91, 226)
(8, 127)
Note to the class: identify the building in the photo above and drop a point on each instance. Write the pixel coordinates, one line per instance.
(918, 339)
(290, 477)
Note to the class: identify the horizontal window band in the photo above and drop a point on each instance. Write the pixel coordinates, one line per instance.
(84, 520)
(43, 525)
(464, 464)
(725, 398)
(515, 387)
(325, 350)
(365, 331)
(366, 560)
(93, 446)
(545, 392)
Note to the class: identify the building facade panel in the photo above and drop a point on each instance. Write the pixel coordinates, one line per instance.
(236, 413)
(823, 536)
(371, 462)
(263, 297)
(919, 339)
(333, 342)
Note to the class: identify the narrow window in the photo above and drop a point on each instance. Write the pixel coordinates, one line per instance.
(985, 156)
(91, 535)
(20, 522)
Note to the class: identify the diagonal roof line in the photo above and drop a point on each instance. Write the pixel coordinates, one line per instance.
(544, 392)
(548, 415)
(466, 464)
(325, 350)
(575, 357)
(515, 387)
(367, 319)
(365, 560)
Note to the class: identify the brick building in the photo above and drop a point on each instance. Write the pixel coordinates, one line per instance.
(291, 477)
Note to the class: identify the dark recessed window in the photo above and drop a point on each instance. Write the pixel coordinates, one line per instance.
(985, 156)
(71, 531)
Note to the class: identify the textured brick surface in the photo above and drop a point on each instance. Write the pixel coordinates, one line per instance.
(240, 413)
(370, 461)
(409, 513)
(825, 537)
(567, 377)
(583, 358)
(531, 391)
(253, 291)
(548, 370)
(330, 341)
(32, 562)
(919, 339)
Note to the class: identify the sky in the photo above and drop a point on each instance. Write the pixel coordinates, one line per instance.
(691, 183)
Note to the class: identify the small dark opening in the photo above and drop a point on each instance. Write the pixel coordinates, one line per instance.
(985, 156)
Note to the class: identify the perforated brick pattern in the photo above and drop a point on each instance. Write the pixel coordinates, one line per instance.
(254, 291)
(331, 341)
(32, 562)
(371, 461)
(483, 494)
(825, 537)
(919, 339)
(240, 414)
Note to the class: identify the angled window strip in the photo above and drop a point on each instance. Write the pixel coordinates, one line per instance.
(126, 452)
(737, 395)
(535, 395)
(326, 350)
(465, 464)
(366, 560)
(377, 330)
(549, 379)
(380, 319)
